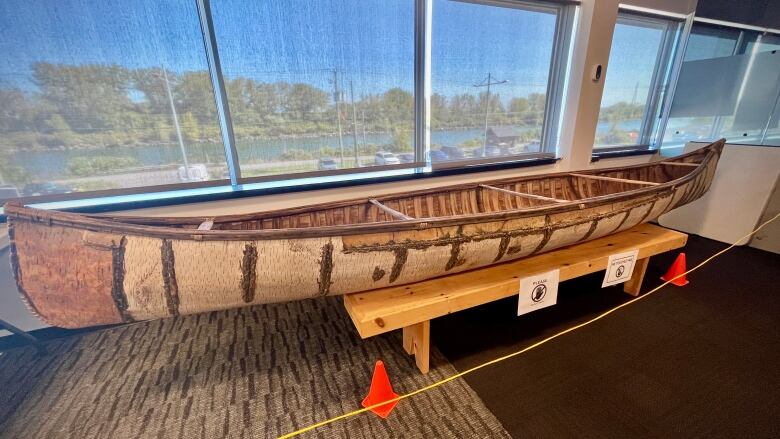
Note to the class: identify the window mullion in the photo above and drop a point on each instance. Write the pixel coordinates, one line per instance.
(220, 94)
(555, 86)
(658, 82)
(422, 80)
(674, 75)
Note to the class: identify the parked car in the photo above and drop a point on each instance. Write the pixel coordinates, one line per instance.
(438, 156)
(35, 189)
(453, 152)
(327, 164)
(7, 192)
(385, 158)
(406, 157)
(197, 172)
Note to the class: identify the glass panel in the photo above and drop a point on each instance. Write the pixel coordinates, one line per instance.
(489, 82)
(724, 93)
(708, 41)
(104, 94)
(772, 136)
(635, 56)
(320, 85)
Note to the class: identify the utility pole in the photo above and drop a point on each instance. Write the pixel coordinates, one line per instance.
(363, 123)
(337, 99)
(354, 123)
(487, 83)
(176, 123)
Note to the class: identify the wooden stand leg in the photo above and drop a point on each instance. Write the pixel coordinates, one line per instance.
(417, 342)
(633, 286)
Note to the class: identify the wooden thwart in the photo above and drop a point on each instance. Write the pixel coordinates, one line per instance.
(524, 195)
(392, 212)
(206, 225)
(619, 180)
(411, 307)
(692, 165)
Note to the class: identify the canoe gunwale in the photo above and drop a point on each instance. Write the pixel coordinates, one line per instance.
(115, 224)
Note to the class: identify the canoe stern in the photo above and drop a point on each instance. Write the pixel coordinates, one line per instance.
(45, 261)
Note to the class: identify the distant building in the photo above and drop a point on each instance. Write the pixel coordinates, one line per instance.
(503, 136)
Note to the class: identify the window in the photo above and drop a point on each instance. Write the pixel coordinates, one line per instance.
(491, 84)
(318, 86)
(92, 99)
(729, 87)
(184, 95)
(638, 67)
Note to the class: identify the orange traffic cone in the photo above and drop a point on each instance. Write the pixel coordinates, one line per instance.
(380, 390)
(677, 268)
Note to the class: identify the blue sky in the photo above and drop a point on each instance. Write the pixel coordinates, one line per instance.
(369, 41)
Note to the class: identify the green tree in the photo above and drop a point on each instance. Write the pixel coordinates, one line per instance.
(302, 101)
(398, 106)
(89, 97)
(440, 112)
(401, 139)
(192, 93)
(12, 174)
(464, 111)
(190, 128)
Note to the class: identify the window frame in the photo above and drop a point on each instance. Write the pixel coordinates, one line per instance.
(660, 82)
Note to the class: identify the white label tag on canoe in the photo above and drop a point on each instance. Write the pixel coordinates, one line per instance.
(538, 291)
(620, 267)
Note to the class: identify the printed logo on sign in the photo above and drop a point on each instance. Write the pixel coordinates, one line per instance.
(537, 292)
(620, 267)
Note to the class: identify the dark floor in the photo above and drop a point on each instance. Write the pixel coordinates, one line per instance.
(256, 372)
(697, 361)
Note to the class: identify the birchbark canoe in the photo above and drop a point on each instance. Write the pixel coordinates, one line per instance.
(76, 270)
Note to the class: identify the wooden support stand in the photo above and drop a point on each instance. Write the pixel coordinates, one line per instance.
(411, 307)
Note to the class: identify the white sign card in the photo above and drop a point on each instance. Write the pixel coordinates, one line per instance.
(620, 267)
(538, 291)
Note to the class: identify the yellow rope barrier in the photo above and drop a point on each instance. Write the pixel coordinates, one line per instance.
(526, 349)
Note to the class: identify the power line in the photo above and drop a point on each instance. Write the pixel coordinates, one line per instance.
(487, 83)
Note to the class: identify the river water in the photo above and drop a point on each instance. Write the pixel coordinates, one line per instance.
(52, 164)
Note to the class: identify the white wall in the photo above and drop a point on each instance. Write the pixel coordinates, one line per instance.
(740, 190)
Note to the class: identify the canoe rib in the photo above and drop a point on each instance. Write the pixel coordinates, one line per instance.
(525, 195)
(616, 180)
(80, 270)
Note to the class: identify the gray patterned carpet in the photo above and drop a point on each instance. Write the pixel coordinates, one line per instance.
(254, 372)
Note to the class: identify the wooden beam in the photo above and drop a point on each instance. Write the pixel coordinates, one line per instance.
(392, 212)
(680, 164)
(524, 195)
(417, 342)
(633, 285)
(619, 180)
(386, 309)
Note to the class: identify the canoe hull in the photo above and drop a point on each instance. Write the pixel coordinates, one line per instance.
(124, 277)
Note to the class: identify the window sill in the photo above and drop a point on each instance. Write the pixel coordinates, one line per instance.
(627, 152)
(216, 193)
